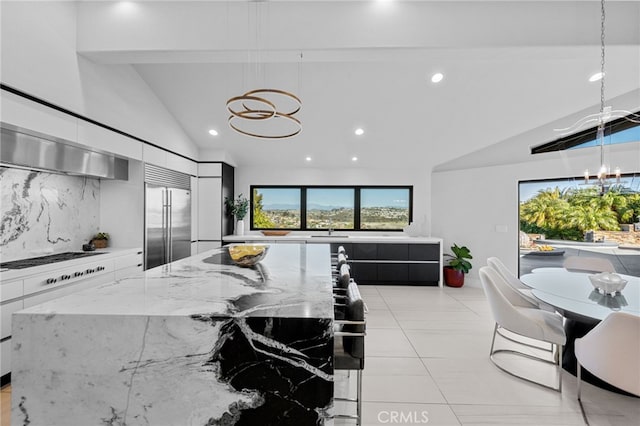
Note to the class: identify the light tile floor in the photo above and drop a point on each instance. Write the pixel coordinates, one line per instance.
(427, 363)
(5, 406)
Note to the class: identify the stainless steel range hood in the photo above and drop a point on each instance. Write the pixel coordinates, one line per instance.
(32, 150)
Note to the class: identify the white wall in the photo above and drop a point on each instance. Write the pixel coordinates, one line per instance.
(39, 57)
(122, 208)
(468, 205)
(274, 175)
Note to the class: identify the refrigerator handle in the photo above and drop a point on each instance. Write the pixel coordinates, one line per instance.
(164, 226)
(170, 227)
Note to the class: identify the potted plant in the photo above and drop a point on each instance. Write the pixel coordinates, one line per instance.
(237, 208)
(100, 240)
(458, 266)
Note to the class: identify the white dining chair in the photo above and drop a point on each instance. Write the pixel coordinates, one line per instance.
(588, 264)
(611, 352)
(525, 321)
(511, 279)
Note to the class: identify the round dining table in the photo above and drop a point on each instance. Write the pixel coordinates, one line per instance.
(574, 297)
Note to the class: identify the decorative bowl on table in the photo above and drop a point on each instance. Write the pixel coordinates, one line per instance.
(247, 255)
(608, 283)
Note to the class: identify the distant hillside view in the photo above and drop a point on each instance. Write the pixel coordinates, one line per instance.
(331, 208)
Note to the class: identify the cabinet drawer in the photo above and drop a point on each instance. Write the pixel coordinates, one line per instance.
(127, 272)
(5, 357)
(393, 251)
(11, 290)
(6, 310)
(364, 272)
(393, 273)
(424, 251)
(67, 289)
(348, 248)
(128, 261)
(364, 252)
(68, 276)
(424, 273)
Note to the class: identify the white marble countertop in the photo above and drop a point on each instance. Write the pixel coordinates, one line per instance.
(293, 280)
(110, 252)
(399, 238)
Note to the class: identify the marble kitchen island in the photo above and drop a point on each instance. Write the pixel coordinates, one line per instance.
(197, 342)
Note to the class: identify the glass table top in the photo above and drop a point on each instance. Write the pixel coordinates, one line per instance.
(573, 292)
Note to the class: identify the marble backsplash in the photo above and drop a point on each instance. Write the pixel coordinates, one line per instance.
(44, 213)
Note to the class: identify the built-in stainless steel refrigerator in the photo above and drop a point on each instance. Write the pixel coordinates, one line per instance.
(167, 216)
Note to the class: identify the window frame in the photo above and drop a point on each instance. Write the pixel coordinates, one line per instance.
(576, 139)
(303, 205)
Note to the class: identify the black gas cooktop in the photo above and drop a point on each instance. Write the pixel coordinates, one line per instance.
(44, 260)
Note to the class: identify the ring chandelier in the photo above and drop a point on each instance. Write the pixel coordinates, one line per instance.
(260, 105)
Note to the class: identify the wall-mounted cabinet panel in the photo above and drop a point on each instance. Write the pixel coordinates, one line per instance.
(105, 140)
(181, 164)
(194, 209)
(153, 155)
(24, 113)
(210, 169)
(210, 209)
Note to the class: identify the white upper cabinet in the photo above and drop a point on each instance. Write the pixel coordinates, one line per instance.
(162, 158)
(105, 140)
(29, 115)
(209, 169)
(210, 209)
(181, 164)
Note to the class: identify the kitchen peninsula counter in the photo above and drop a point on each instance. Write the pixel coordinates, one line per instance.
(198, 341)
(334, 238)
(374, 258)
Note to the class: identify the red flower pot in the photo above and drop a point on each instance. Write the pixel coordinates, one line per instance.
(453, 278)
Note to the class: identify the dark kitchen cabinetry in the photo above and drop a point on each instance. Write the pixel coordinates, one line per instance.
(394, 263)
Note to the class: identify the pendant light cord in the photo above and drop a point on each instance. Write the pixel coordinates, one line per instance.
(600, 133)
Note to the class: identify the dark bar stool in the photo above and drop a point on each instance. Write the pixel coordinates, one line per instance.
(348, 348)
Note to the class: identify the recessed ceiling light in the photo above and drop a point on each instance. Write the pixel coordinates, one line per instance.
(354, 158)
(213, 132)
(307, 159)
(596, 77)
(359, 131)
(437, 77)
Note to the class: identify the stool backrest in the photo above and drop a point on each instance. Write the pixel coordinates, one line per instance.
(354, 345)
(345, 277)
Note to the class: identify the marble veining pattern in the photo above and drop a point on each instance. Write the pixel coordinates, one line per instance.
(197, 342)
(43, 213)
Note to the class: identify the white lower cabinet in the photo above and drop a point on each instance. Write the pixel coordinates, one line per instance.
(68, 289)
(126, 266)
(5, 357)
(61, 281)
(7, 309)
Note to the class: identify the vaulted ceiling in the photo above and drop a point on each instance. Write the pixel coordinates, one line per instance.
(509, 66)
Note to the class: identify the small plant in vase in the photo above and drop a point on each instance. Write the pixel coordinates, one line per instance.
(100, 240)
(457, 266)
(239, 209)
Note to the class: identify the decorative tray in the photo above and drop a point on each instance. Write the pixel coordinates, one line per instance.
(274, 233)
